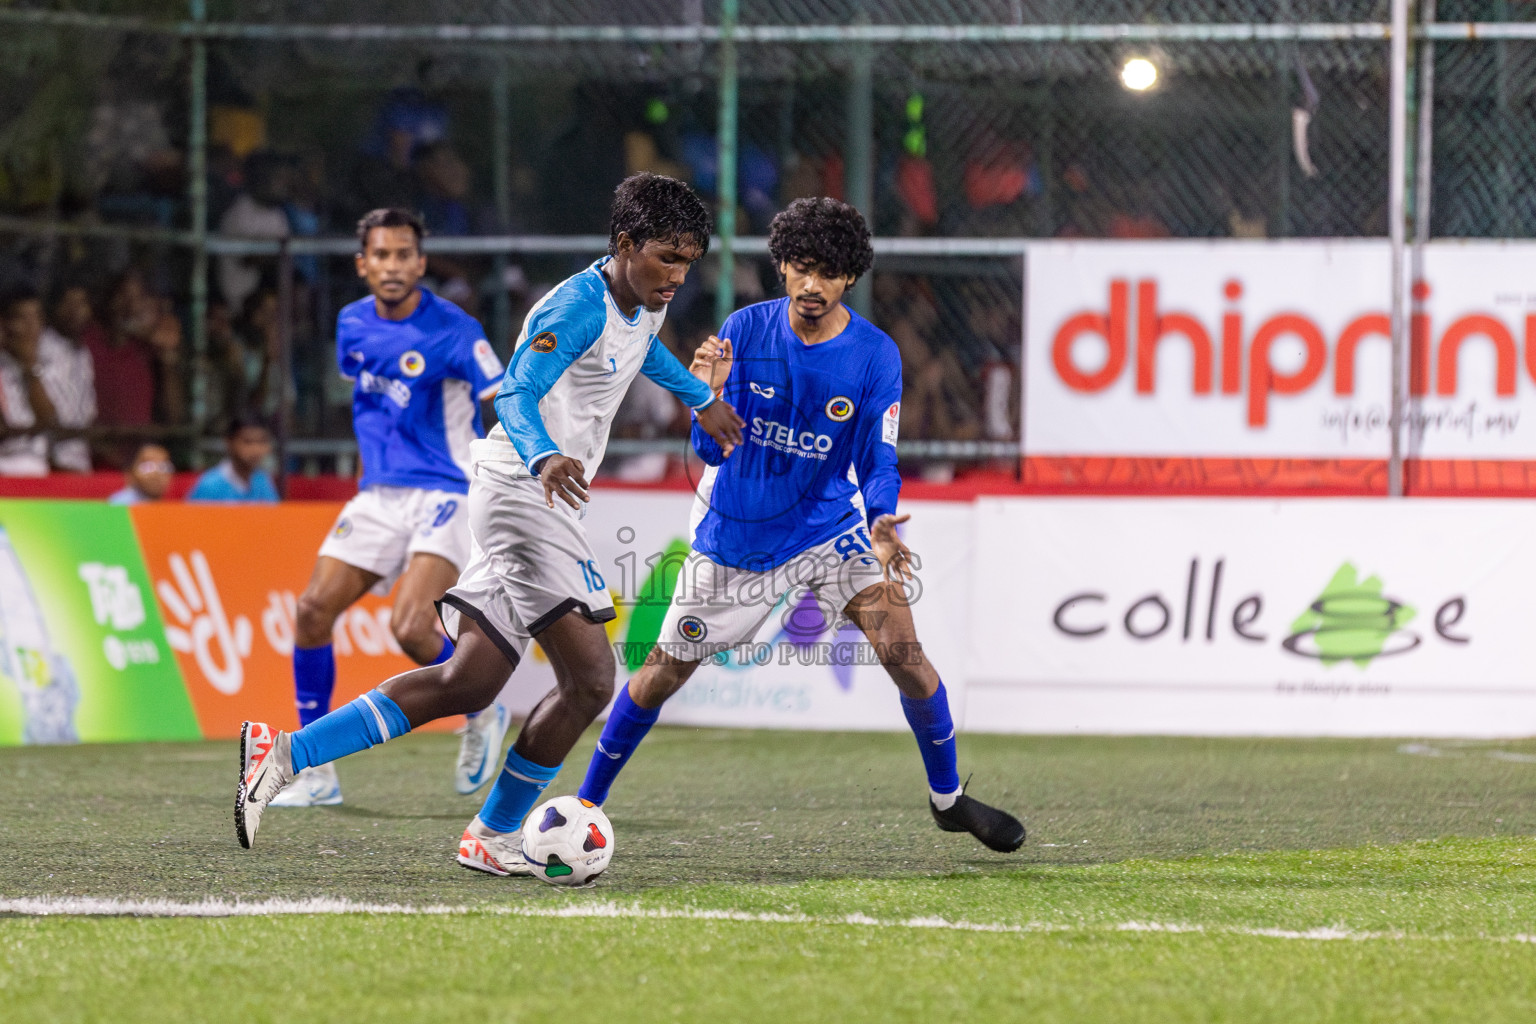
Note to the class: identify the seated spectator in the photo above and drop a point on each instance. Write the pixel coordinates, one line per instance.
(247, 442)
(22, 452)
(59, 380)
(258, 212)
(148, 476)
(138, 364)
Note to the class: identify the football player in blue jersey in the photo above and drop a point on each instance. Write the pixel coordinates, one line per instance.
(421, 368)
(532, 572)
(820, 387)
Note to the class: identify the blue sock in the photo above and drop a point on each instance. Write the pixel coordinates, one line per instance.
(314, 677)
(626, 727)
(366, 722)
(935, 732)
(516, 789)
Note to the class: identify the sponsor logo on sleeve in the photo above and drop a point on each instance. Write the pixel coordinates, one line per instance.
(486, 359)
(542, 342)
(413, 363)
(839, 409)
(890, 423)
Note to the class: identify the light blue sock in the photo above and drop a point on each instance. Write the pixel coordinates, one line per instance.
(366, 722)
(314, 678)
(516, 789)
(627, 725)
(935, 732)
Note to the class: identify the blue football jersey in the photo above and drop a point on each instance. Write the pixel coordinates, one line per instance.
(416, 403)
(821, 431)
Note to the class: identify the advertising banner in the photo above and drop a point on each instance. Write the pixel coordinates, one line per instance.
(1275, 350)
(1302, 617)
(800, 672)
(83, 655)
(226, 580)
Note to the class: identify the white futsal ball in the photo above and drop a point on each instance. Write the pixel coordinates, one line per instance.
(567, 841)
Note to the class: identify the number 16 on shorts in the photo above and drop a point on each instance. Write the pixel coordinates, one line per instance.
(589, 572)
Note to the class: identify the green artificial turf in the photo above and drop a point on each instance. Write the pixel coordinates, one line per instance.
(1164, 880)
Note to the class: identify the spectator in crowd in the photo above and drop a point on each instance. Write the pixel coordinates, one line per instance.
(939, 400)
(147, 478)
(59, 380)
(138, 364)
(239, 478)
(384, 175)
(23, 451)
(258, 212)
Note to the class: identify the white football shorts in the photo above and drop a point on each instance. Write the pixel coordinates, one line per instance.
(529, 564)
(379, 530)
(715, 607)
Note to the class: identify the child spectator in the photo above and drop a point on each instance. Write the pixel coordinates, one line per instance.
(148, 476)
(239, 477)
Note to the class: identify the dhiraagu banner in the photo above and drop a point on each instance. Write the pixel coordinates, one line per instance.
(83, 656)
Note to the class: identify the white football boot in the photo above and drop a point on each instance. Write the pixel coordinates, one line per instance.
(266, 766)
(480, 748)
(495, 853)
(313, 787)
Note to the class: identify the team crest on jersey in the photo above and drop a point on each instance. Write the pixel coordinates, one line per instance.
(343, 529)
(692, 629)
(543, 342)
(413, 363)
(839, 409)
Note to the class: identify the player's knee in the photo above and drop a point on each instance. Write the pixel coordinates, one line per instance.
(415, 628)
(313, 620)
(468, 687)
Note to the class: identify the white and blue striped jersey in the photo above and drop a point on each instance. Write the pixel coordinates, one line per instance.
(570, 369)
(419, 384)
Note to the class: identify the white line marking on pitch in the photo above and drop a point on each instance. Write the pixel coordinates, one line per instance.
(85, 907)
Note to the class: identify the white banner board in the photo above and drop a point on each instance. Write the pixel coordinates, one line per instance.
(1299, 617)
(1275, 349)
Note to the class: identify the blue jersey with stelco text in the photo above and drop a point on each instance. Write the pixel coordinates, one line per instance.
(821, 430)
(419, 382)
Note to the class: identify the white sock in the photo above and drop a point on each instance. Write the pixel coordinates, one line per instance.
(944, 801)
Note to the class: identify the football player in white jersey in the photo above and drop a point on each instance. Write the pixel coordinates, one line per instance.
(532, 573)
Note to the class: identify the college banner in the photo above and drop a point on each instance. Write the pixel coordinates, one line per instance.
(1274, 350)
(1226, 616)
(83, 655)
(226, 579)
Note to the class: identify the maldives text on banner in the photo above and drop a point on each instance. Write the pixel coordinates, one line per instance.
(1276, 349)
(1232, 616)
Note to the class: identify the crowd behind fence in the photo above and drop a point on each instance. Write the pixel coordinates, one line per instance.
(152, 153)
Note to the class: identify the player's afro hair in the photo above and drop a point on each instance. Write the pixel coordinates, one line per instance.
(826, 232)
(650, 206)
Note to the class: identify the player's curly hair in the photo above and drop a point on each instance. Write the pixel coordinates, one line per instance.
(650, 206)
(826, 232)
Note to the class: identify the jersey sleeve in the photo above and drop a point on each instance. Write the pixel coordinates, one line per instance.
(557, 335)
(875, 440)
(343, 335)
(476, 362)
(665, 369)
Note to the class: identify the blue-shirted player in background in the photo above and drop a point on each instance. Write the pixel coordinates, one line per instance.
(820, 388)
(421, 366)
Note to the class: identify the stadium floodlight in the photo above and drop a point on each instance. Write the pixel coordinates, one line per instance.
(1139, 74)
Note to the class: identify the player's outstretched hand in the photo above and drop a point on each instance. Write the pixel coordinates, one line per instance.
(564, 477)
(895, 557)
(721, 422)
(712, 363)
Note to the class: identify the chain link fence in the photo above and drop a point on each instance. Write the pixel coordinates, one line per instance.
(949, 124)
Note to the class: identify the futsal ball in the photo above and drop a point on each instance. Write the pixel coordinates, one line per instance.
(567, 841)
